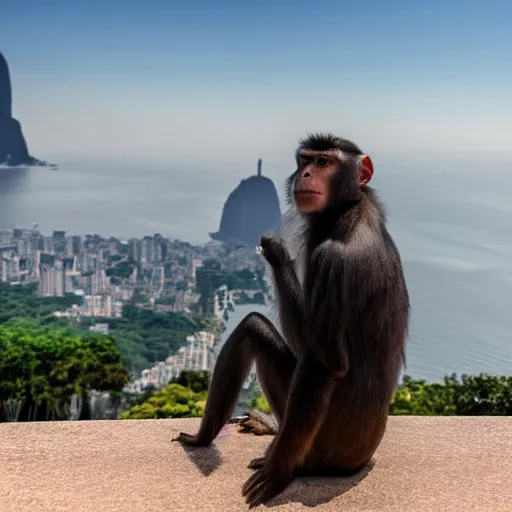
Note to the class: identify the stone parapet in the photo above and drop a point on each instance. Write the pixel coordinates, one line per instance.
(424, 464)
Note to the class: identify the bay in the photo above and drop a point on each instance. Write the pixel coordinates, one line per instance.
(453, 229)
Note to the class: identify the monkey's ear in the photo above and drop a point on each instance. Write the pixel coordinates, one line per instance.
(366, 172)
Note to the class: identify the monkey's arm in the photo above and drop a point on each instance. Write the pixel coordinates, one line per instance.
(291, 304)
(289, 292)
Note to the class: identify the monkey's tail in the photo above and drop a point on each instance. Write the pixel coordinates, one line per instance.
(257, 423)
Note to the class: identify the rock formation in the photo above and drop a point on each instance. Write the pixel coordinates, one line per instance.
(251, 210)
(13, 148)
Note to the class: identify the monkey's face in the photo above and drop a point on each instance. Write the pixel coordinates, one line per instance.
(312, 184)
(326, 178)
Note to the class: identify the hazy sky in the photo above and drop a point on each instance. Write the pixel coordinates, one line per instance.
(206, 79)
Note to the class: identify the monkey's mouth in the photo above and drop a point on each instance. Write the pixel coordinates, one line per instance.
(307, 193)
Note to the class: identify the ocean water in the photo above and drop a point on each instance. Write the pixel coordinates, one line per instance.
(452, 224)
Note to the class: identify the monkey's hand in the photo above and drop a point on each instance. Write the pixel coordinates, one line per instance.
(266, 483)
(189, 440)
(275, 251)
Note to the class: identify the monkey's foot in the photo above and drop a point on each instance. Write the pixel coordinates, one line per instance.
(258, 423)
(257, 463)
(264, 485)
(189, 440)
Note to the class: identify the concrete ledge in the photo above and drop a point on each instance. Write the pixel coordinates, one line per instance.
(424, 464)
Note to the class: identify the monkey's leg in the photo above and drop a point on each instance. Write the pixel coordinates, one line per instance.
(259, 462)
(254, 339)
(272, 384)
(306, 409)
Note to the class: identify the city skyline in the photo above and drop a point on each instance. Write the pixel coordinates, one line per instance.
(202, 81)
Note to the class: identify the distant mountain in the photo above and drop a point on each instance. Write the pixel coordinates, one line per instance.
(251, 211)
(13, 147)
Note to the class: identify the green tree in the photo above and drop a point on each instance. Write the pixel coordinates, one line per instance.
(43, 366)
(172, 401)
(476, 395)
(196, 381)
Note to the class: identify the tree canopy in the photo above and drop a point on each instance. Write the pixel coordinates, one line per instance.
(142, 335)
(172, 401)
(43, 365)
(469, 395)
(23, 302)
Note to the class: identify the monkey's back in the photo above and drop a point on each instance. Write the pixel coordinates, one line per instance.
(378, 328)
(379, 314)
(376, 333)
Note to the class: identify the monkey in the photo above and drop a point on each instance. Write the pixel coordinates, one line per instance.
(343, 308)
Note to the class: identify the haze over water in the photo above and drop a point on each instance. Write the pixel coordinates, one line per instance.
(452, 226)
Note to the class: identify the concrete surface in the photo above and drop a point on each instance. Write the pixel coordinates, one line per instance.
(424, 464)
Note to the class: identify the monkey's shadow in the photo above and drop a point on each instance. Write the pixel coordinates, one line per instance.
(206, 459)
(312, 491)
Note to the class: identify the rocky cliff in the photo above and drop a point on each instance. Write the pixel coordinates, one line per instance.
(13, 148)
(251, 210)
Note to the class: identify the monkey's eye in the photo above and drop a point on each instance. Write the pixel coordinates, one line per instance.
(321, 161)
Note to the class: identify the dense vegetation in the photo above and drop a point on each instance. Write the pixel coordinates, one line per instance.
(44, 360)
(143, 336)
(172, 401)
(23, 302)
(465, 396)
(469, 395)
(183, 398)
(41, 367)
